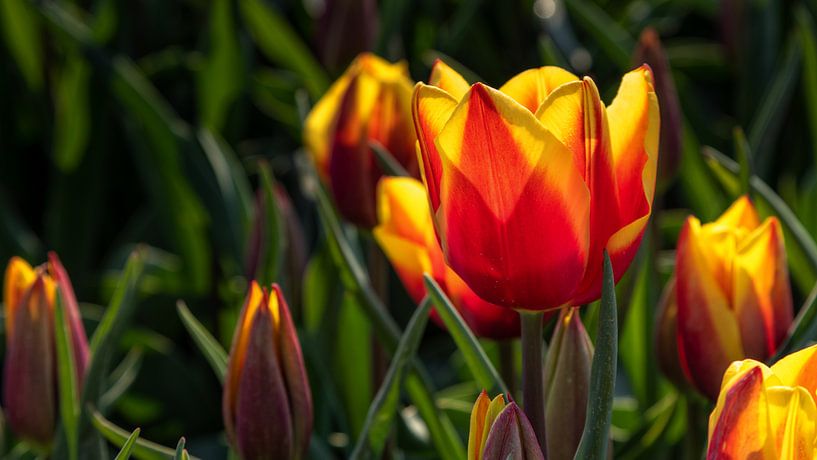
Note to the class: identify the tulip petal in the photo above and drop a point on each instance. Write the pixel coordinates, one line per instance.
(531, 183)
(263, 421)
(634, 122)
(512, 437)
(792, 418)
(799, 369)
(448, 80)
(79, 341)
(18, 279)
(320, 123)
(477, 426)
(741, 429)
(575, 115)
(29, 396)
(761, 293)
(431, 109)
(484, 318)
(708, 334)
(741, 214)
(294, 371)
(531, 87)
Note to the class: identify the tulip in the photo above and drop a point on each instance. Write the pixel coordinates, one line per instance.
(30, 379)
(767, 413)
(406, 235)
(267, 402)
(500, 431)
(369, 103)
(567, 384)
(731, 293)
(530, 183)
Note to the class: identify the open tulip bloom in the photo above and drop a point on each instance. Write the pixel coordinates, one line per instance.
(530, 183)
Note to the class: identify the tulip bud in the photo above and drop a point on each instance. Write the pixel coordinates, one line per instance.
(767, 413)
(500, 431)
(567, 384)
(406, 234)
(650, 52)
(30, 379)
(345, 28)
(371, 102)
(267, 402)
(732, 293)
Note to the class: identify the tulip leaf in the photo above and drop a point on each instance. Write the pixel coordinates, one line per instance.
(122, 378)
(276, 39)
(208, 345)
(271, 259)
(67, 380)
(383, 409)
(386, 160)
(142, 448)
(353, 337)
(596, 434)
(180, 450)
(786, 215)
(220, 81)
(609, 35)
(418, 383)
(802, 330)
(20, 29)
(124, 453)
(484, 371)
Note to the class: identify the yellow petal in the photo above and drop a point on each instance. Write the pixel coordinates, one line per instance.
(19, 277)
(475, 438)
(431, 109)
(448, 80)
(799, 369)
(531, 87)
(741, 214)
(320, 123)
(792, 417)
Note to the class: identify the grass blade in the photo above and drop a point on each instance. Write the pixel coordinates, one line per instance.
(143, 449)
(484, 371)
(124, 453)
(386, 160)
(383, 409)
(596, 435)
(67, 380)
(208, 345)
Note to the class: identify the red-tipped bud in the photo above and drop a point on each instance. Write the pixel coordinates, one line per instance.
(500, 430)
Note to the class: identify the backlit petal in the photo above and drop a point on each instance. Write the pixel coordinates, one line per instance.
(741, 214)
(431, 109)
(799, 369)
(792, 416)
(531, 87)
(477, 426)
(504, 175)
(18, 279)
(448, 80)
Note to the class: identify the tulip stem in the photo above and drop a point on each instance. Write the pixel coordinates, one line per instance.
(533, 393)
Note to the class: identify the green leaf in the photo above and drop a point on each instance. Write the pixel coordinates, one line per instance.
(353, 361)
(808, 38)
(699, 189)
(221, 80)
(418, 383)
(803, 329)
(381, 414)
(117, 316)
(320, 289)
(72, 115)
(596, 435)
(608, 34)
(271, 261)
(804, 240)
(67, 380)
(476, 359)
(142, 448)
(23, 38)
(637, 354)
(121, 378)
(208, 345)
(180, 451)
(386, 160)
(276, 39)
(766, 124)
(744, 155)
(124, 453)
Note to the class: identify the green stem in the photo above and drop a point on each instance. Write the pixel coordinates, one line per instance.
(532, 378)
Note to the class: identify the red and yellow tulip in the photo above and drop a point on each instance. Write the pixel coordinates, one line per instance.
(30, 374)
(499, 431)
(371, 102)
(267, 403)
(406, 235)
(731, 293)
(767, 413)
(530, 183)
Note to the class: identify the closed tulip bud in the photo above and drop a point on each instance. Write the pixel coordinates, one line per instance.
(567, 384)
(767, 413)
(650, 51)
(406, 235)
(732, 293)
(30, 382)
(500, 431)
(369, 103)
(542, 152)
(267, 402)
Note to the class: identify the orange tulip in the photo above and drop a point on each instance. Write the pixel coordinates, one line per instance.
(30, 372)
(406, 235)
(499, 431)
(731, 294)
(767, 413)
(370, 102)
(267, 404)
(530, 183)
